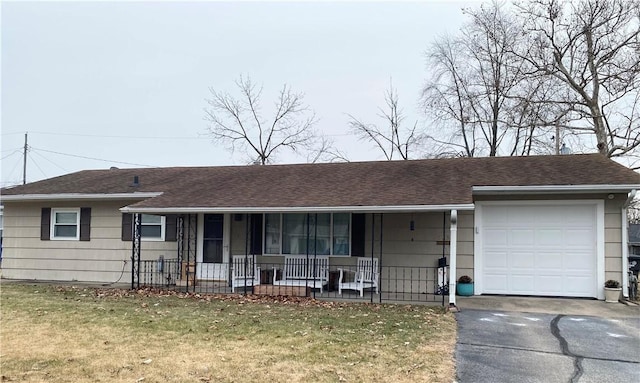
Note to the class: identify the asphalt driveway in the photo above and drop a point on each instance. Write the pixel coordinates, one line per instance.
(505, 346)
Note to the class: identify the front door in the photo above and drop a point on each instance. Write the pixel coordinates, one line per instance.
(213, 258)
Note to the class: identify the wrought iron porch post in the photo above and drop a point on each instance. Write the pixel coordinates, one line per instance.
(315, 255)
(135, 251)
(306, 266)
(247, 227)
(444, 244)
(191, 234)
(373, 239)
(180, 238)
(379, 263)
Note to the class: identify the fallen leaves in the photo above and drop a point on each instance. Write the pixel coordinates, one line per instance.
(285, 338)
(151, 292)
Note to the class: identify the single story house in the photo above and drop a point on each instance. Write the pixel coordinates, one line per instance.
(539, 225)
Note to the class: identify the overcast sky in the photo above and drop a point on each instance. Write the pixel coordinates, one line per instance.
(126, 82)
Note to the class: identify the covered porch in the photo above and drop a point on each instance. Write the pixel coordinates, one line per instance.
(400, 255)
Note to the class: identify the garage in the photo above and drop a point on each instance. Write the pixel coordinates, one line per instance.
(539, 248)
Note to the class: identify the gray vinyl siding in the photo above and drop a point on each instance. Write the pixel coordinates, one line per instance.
(613, 237)
(105, 258)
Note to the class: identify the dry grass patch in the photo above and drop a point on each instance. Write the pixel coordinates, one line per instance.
(67, 334)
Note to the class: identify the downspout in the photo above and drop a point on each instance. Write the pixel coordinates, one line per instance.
(453, 241)
(625, 244)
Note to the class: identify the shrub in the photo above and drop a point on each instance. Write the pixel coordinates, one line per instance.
(612, 284)
(464, 279)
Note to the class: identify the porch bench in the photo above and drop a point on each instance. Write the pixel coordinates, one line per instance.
(296, 272)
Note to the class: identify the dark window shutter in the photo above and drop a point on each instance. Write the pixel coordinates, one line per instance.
(85, 223)
(45, 224)
(127, 227)
(171, 228)
(256, 234)
(357, 235)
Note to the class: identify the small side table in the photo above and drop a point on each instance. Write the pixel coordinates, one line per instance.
(334, 278)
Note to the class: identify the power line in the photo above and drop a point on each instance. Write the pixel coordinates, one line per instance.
(117, 136)
(55, 164)
(37, 166)
(92, 158)
(200, 137)
(6, 150)
(14, 169)
(10, 154)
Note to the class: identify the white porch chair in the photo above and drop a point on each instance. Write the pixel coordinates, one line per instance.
(366, 276)
(244, 272)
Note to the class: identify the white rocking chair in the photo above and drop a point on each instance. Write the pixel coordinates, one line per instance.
(366, 276)
(244, 272)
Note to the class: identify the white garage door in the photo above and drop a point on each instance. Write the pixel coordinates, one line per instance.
(539, 250)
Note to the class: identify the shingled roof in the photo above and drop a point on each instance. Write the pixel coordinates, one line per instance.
(389, 183)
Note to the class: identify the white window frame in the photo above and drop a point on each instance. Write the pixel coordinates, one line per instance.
(162, 229)
(52, 229)
(281, 215)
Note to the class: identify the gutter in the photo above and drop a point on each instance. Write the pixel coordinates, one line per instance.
(299, 209)
(78, 196)
(553, 189)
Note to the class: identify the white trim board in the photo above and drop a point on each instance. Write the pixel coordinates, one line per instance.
(300, 209)
(553, 189)
(78, 196)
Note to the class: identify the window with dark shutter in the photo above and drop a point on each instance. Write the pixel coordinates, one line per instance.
(85, 223)
(357, 235)
(45, 224)
(171, 228)
(127, 226)
(256, 234)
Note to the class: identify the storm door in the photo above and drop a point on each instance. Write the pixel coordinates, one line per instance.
(212, 265)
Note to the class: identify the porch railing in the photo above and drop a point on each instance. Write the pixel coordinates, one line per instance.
(395, 283)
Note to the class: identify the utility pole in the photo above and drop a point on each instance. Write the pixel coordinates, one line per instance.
(24, 160)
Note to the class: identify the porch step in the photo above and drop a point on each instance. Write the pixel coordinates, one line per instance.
(292, 291)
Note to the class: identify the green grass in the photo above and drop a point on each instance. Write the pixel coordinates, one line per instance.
(72, 334)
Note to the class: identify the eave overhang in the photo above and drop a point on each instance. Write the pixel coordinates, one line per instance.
(298, 209)
(78, 196)
(552, 189)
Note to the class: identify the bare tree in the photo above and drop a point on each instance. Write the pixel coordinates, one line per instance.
(392, 138)
(447, 99)
(633, 212)
(239, 122)
(476, 91)
(325, 150)
(593, 48)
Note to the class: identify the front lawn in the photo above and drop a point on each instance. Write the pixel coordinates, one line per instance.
(75, 334)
